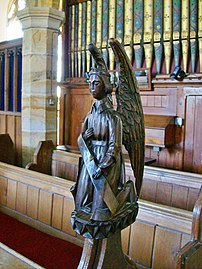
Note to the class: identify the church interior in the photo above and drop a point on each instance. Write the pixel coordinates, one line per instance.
(44, 98)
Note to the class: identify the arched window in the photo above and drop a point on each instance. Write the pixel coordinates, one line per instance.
(14, 28)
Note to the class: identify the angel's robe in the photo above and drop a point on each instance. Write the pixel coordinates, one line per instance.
(105, 146)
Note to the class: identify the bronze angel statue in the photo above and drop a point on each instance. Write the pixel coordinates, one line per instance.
(104, 201)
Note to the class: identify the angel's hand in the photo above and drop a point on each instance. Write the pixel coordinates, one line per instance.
(97, 174)
(88, 133)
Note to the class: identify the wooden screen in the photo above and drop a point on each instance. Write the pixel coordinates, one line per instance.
(11, 92)
(193, 130)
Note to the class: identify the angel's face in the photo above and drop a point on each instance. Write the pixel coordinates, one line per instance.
(96, 87)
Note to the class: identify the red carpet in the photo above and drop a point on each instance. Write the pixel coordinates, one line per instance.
(46, 250)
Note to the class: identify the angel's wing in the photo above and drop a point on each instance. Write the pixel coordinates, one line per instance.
(129, 107)
(97, 56)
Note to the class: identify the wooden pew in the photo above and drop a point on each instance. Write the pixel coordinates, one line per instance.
(7, 151)
(42, 159)
(187, 256)
(169, 187)
(162, 186)
(45, 202)
(12, 259)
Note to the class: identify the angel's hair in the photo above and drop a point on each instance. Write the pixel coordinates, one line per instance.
(104, 75)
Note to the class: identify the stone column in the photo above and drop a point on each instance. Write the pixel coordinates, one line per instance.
(39, 99)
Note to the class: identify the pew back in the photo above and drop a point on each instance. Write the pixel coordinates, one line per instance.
(7, 151)
(169, 187)
(163, 186)
(65, 164)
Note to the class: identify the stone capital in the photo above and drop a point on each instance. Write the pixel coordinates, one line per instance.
(41, 17)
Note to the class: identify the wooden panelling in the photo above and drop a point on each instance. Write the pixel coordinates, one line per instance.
(61, 170)
(67, 211)
(45, 207)
(18, 140)
(197, 157)
(164, 256)
(189, 132)
(75, 104)
(64, 117)
(161, 101)
(32, 202)
(193, 130)
(148, 191)
(193, 193)
(44, 196)
(3, 190)
(179, 200)
(78, 99)
(65, 165)
(178, 189)
(2, 124)
(54, 170)
(164, 193)
(141, 248)
(170, 157)
(168, 98)
(125, 239)
(11, 194)
(57, 215)
(21, 199)
(11, 126)
(71, 170)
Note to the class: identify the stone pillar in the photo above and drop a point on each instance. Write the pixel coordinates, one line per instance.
(39, 99)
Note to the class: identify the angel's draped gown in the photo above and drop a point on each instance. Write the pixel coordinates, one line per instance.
(106, 147)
